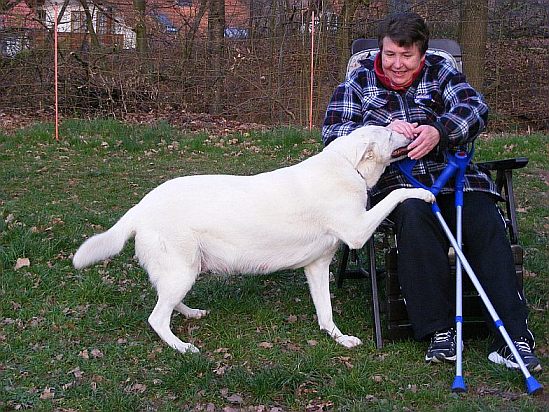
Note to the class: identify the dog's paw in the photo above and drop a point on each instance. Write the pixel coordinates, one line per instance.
(190, 313)
(424, 195)
(184, 347)
(196, 313)
(348, 341)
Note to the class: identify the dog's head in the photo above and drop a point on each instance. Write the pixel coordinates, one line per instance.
(370, 149)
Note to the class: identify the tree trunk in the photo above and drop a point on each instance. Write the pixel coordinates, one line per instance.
(472, 36)
(140, 27)
(216, 31)
(89, 25)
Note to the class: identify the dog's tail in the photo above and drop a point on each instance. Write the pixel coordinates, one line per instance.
(106, 244)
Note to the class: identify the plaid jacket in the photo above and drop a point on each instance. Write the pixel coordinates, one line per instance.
(440, 97)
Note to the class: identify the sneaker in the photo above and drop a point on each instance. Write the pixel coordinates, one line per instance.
(504, 356)
(442, 347)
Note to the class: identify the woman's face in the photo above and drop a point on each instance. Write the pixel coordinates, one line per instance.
(400, 63)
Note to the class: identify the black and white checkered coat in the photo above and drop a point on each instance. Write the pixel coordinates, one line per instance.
(440, 97)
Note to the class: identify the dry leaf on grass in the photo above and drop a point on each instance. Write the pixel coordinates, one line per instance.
(21, 263)
(48, 393)
(235, 399)
(136, 388)
(96, 353)
(292, 319)
(76, 372)
(377, 378)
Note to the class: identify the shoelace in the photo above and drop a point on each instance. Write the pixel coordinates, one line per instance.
(442, 336)
(523, 346)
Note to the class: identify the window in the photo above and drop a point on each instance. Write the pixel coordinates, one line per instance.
(78, 22)
(104, 21)
(41, 16)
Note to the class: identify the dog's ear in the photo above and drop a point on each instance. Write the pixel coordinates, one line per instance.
(367, 151)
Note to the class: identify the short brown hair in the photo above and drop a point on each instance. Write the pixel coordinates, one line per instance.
(405, 29)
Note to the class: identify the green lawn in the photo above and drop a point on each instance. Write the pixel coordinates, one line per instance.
(79, 340)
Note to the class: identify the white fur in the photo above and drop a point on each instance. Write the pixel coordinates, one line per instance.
(285, 219)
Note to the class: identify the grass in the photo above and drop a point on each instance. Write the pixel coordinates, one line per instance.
(78, 340)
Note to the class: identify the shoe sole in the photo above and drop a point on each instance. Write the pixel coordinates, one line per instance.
(441, 359)
(498, 359)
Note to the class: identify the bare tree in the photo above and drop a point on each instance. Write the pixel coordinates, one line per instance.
(193, 25)
(473, 31)
(216, 34)
(140, 28)
(89, 25)
(7, 5)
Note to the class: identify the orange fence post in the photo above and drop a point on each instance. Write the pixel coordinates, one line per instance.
(55, 72)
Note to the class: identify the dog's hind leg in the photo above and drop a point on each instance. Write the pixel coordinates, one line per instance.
(318, 277)
(171, 287)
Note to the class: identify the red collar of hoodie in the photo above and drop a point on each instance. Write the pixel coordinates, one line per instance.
(386, 82)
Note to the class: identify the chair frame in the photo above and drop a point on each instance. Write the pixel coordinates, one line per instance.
(449, 49)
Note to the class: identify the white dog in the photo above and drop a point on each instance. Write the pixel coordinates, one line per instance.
(285, 219)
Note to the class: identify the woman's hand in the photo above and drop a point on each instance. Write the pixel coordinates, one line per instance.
(425, 140)
(403, 127)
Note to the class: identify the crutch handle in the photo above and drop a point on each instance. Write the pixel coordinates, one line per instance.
(456, 165)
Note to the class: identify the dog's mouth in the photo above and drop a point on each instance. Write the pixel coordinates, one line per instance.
(401, 151)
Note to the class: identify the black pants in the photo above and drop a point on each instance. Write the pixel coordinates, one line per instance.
(424, 270)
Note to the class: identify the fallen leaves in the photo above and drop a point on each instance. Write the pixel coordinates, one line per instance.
(345, 360)
(47, 393)
(135, 388)
(21, 263)
(95, 353)
(76, 372)
(235, 398)
(378, 378)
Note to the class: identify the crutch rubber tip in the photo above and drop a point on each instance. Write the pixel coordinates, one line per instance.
(459, 385)
(533, 386)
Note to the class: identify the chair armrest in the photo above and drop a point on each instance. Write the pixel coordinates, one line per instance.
(504, 183)
(504, 164)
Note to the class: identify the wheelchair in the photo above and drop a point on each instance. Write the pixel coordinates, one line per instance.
(390, 317)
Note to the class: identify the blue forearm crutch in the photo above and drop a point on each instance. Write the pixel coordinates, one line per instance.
(457, 164)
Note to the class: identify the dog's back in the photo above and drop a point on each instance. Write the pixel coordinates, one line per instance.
(239, 220)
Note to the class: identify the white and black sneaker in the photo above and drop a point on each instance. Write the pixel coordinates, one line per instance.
(442, 347)
(525, 348)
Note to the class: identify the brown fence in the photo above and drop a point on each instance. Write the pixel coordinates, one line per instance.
(265, 74)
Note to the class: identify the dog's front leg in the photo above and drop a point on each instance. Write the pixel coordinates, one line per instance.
(372, 218)
(318, 277)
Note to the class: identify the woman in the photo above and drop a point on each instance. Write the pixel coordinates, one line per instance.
(423, 97)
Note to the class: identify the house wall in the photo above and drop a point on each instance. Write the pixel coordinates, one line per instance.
(65, 24)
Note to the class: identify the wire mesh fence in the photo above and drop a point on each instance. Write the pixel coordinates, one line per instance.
(262, 72)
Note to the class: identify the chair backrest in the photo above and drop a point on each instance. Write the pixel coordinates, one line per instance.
(362, 49)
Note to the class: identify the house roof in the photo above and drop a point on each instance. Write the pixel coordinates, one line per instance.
(20, 16)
